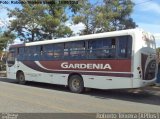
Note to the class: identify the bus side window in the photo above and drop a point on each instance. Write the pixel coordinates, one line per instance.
(76, 50)
(20, 54)
(48, 52)
(31, 50)
(124, 47)
(94, 48)
(58, 51)
(103, 48)
(36, 53)
(27, 54)
(109, 48)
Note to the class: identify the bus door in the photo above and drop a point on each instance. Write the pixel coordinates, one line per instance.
(11, 63)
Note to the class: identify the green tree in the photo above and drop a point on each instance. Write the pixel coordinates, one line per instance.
(6, 38)
(86, 16)
(118, 12)
(111, 15)
(39, 22)
(26, 22)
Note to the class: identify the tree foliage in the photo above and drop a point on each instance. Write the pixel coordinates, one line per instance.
(5, 38)
(111, 15)
(48, 21)
(39, 22)
(119, 12)
(86, 16)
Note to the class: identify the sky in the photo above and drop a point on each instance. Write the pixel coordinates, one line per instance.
(146, 14)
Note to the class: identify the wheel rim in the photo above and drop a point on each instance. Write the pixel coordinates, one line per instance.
(21, 78)
(76, 84)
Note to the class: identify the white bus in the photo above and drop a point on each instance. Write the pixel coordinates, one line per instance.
(111, 60)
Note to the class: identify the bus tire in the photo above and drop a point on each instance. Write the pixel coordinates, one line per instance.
(76, 84)
(21, 78)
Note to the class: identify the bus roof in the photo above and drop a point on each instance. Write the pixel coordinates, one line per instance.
(84, 37)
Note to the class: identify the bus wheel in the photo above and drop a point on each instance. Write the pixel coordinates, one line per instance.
(76, 84)
(21, 78)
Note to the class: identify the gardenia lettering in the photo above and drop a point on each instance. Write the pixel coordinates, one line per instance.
(67, 65)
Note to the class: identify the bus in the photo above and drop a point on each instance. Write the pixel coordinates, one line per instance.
(112, 60)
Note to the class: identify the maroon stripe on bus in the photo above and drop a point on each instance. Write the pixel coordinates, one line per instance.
(33, 65)
(116, 65)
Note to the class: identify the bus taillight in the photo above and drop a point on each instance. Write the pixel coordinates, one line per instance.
(139, 71)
